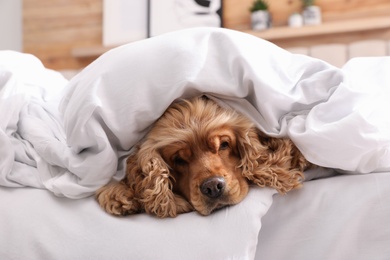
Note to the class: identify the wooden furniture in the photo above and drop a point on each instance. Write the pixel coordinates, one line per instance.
(329, 32)
(343, 31)
(68, 34)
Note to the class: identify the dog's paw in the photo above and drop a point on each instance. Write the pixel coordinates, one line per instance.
(118, 200)
(182, 205)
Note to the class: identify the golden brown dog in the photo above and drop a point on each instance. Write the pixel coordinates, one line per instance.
(200, 156)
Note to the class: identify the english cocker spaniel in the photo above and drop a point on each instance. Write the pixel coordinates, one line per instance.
(201, 156)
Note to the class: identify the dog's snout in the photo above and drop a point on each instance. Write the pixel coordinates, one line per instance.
(213, 187)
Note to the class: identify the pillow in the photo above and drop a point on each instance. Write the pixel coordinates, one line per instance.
(37, 225)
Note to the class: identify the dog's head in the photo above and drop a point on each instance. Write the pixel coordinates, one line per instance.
(199, 156)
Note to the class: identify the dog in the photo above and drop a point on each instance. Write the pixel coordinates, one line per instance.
(200, 156)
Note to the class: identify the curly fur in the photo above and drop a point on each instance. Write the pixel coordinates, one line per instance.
(197, 142)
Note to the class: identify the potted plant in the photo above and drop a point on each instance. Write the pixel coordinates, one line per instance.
(260, 16)
(311, 13)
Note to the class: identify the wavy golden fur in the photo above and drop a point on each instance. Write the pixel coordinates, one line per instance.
(200, 156)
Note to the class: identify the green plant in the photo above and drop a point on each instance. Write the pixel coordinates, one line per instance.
(307, 3)
(259, 5)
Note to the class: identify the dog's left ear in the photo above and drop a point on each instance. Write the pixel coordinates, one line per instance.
(156, 186)
(271, 162)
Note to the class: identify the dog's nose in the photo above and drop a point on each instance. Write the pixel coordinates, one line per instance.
(213, 187)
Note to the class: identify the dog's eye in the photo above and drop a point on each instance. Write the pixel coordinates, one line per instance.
(178, 161)
(224, 146)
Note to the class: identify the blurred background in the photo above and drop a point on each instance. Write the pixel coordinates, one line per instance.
(69, 34)
(11, 25)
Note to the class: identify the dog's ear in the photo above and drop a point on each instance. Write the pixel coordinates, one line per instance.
(267, 161)
(155, 186)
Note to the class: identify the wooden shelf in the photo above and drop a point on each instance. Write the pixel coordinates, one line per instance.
(88, 52)
(347, 26)
(283, 33)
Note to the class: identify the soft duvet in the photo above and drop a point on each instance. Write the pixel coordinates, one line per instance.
(70, 138)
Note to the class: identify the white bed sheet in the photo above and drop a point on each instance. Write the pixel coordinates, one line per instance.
(342, 217)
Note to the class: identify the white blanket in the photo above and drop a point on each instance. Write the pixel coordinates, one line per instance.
(73, 138)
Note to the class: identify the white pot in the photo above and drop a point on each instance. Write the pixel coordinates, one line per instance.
(312, 15)
(295, 20)
(261, 20)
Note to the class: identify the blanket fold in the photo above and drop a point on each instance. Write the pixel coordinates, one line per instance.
(73, 137)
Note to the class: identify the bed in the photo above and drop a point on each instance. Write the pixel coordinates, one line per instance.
(61, 140)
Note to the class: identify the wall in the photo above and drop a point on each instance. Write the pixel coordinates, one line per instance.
(53, 28)
(11, 25)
